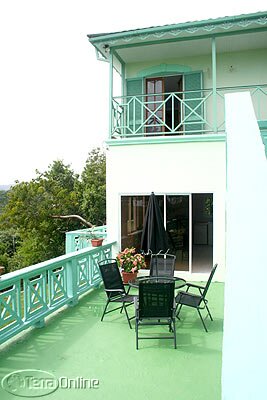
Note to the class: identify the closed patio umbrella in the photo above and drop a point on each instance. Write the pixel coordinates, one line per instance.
(154, 237)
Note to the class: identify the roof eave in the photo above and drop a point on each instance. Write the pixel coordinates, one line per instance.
(104, 37)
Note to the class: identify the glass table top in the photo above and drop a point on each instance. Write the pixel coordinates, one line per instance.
(179, 282)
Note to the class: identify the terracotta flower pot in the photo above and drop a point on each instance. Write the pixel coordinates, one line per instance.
(97, 242)
(128, 276)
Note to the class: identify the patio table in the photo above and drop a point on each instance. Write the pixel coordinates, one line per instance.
(179, 282)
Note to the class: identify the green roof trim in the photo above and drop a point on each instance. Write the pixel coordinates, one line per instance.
(226, 23)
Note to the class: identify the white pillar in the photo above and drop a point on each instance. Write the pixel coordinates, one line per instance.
(245, 313)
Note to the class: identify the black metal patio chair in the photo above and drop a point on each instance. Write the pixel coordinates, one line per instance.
(198, 301)
(114, 288)
(162, 265)
(155, 306)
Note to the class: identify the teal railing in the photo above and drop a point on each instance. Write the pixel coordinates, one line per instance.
(180, 113)
(81, 239)
(29, 295)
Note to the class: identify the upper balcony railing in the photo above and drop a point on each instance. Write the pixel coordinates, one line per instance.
(178, 113)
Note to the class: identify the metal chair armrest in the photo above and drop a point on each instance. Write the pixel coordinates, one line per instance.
(195, 286)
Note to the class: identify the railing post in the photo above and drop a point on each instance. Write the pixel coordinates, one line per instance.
(134, 115)
(110, 93)
(72, 288)
(214, 84)
(69, 245)
(172, 112)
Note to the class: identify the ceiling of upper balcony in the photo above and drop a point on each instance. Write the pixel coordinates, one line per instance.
(188, 48)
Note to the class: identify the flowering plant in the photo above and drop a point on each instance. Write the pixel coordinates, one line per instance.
(130, 261)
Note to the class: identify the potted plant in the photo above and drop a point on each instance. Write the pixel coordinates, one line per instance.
(130, 262)
(95, 239)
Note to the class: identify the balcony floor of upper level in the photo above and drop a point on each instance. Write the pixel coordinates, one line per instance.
(75, 343)
(219, 137)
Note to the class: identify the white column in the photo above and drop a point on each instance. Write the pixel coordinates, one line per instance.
(245, 314)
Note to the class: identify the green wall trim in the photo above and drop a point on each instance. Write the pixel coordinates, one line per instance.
(167, 140)
(164, 69)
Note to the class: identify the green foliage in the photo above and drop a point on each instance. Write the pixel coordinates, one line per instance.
(93, 187)
(28, 233)
(29, 210)
(3, 200)
(8, 243)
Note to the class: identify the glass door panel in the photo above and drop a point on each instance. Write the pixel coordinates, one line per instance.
(202, 229)
(177, 226)
(154, 110)
(133, 211)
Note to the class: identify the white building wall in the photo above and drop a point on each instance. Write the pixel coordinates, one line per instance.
(233, 69)
(177, 168)
(245, 322)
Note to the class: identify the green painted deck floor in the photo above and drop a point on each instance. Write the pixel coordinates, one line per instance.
(75, 343)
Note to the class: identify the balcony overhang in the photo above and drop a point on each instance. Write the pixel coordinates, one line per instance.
(183, 39)
(167, 140)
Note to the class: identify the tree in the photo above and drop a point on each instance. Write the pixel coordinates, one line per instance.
(29, 209)
(93, 188)
(8, 244)
(30, 232)
(3, 199)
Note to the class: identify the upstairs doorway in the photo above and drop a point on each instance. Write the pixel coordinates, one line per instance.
(163, 117)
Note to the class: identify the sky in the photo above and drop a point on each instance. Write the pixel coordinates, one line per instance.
(53, 91)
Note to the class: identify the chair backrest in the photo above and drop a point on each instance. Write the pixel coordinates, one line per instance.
(212, 272)
(162, 265)
(111, 276)
(156, 299)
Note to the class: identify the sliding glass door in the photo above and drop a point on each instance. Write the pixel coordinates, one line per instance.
(188, 220)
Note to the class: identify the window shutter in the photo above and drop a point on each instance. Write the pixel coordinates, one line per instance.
(134, 109)
(193, 120)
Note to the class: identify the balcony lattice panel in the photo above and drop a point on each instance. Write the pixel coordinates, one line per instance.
(57, 285)
(83, 278)
(10, 310)
(35, 298)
